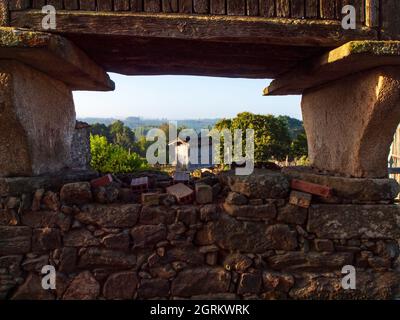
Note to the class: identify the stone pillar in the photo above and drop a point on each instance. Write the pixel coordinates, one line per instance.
(350, 122)
(37, 120)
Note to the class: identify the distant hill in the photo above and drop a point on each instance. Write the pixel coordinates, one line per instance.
(141, 125)
(136, 123)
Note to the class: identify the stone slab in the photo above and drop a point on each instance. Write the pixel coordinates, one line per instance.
(55, 56)
(352, 189)
(15, 186)
(353, 57)
(354, 221)
(261, 184)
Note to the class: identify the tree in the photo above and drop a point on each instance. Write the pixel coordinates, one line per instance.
(101, 129)
(121, 135)
(108, 157)
(298, 147)
(271, 134)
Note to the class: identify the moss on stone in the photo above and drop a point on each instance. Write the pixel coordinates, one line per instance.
(374, 47)
(13, 37)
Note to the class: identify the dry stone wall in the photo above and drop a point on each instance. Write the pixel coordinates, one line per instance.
(249, 243)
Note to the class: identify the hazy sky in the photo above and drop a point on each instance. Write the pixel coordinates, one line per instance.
(178, 97)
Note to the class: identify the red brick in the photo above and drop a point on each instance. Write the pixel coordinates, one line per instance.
(312, 188)
(102, 181)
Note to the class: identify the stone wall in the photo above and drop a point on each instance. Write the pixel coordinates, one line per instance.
(248, 244)
(80, 147)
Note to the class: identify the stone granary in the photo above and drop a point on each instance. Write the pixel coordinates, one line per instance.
(251, 242)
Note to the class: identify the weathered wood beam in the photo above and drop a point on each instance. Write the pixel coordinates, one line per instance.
(54, 56)
(4, 13)
(390, 13)
(267, 8)
(348, 59)
(372, 13)
(207, 28)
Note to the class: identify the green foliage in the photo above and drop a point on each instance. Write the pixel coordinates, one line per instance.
(271, 134)
(108, 157)
(298, 147)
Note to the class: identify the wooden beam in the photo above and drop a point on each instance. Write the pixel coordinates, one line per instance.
(236, 7)
(217, 7)
(185, 6)
(312, 8)
(89, 5)
(18, 4)
(54, 56)
(74, 4)
(267, 8)
(170, 6)
(38, 4)
(282, 8)
(4, 13)
(327, 9)
(350, 58)
(57, 4)
(297, 8)
(201, 6)
(206, 28)
(136, 5)
(152, 6)
(252, 7)
(390, 13)
(121, 5)
(372, 13)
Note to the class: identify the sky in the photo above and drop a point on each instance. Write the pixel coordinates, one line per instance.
(183, 97)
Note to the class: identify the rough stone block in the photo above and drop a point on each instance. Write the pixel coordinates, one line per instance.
(156, 215)
(119, 241)
(201, 280)
(300, 199)
(292, 214)
(148, 235)
(95, 257)
(76, 193)
(30, 118)
(264, 211)
(261, 184)
(32, 289)
(369, 285)
(150, 199)
(121, 285)
(353, 189)
(311, 261)
(237, 199)
(249, 283)
(204, 193)
(46, 239)
(80, 238)
(354, 221)
(324, 245)
(244, 236)
(83, 287)
(15, 239)
(110, 216)
(182, 193)
(152, 288)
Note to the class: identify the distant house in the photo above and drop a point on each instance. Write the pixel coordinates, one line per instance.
(182, 150)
